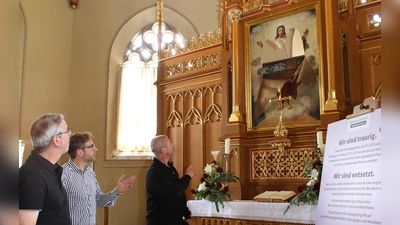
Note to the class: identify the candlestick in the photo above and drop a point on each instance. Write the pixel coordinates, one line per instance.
(322, 149)
(320, 141)
(227, 145)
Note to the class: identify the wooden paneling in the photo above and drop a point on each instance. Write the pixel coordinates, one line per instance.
(193, 123)
(191, 100)
(370, 53)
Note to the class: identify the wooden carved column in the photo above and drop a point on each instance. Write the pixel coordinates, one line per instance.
(236, 124)
(235, 15)
(331, 109)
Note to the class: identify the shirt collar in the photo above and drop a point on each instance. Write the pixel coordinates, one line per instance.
(74, 167)
(159, 163)
(42, 161)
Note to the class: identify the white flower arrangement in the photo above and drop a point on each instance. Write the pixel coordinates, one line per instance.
(309, 193)
(214, 183)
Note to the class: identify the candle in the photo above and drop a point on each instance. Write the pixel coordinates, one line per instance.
(227, 145)
(320, 141)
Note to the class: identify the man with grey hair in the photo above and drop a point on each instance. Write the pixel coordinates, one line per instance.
(42, 197)
(165, 191)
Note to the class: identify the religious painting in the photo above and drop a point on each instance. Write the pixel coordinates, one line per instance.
(283, 60)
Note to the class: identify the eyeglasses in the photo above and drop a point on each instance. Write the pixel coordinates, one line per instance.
(69, 132)
(90, 146)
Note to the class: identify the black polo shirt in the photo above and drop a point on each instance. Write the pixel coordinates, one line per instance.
(165, 194)
(40, 188)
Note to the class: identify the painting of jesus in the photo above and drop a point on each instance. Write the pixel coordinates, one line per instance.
(284, 55)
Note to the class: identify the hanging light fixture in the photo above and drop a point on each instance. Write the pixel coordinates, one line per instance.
(158, 27)
(147, 43)
(73, 3)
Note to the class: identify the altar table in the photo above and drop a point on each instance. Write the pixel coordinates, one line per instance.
(254, 211)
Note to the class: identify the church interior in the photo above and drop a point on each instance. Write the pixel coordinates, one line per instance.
(216, 86)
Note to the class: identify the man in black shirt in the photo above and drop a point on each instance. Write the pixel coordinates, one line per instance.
(42, 197)
(165, 191)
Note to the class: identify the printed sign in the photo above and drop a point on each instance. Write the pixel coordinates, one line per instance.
(351, 179)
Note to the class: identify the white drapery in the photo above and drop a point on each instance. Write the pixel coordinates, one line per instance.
(252, 210)
(137, 108)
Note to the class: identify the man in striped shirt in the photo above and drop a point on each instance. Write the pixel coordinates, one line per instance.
(80, 181)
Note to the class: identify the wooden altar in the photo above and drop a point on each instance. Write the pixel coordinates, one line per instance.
(207, 90)
(242, 212)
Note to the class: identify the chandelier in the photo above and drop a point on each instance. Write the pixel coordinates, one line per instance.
(142, 51)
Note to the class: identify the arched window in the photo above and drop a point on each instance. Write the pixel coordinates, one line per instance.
(137, 108)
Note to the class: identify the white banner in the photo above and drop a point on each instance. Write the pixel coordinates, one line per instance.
(351, 178)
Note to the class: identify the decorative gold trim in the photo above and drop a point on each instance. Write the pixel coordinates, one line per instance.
(211, 40)
(332, 102)
(271, 164)
(193, 111)
(232, 221)
(344, 39)
(376, 60)
(235, 15)
(204, 61)
(378, 92)
(343, 5)
(194, 115)
(206, 221)
(250, 5)
(236, 116)
(174, 114)
(213, 108)
(280, 142)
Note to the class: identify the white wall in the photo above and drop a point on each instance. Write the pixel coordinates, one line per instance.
(46, 68)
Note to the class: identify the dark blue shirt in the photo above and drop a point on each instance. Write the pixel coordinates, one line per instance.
(165, 194)
(40, 188)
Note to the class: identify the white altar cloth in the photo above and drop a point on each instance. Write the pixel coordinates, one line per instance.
(252, 210)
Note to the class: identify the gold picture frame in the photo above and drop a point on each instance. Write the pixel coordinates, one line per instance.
(274, 60)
